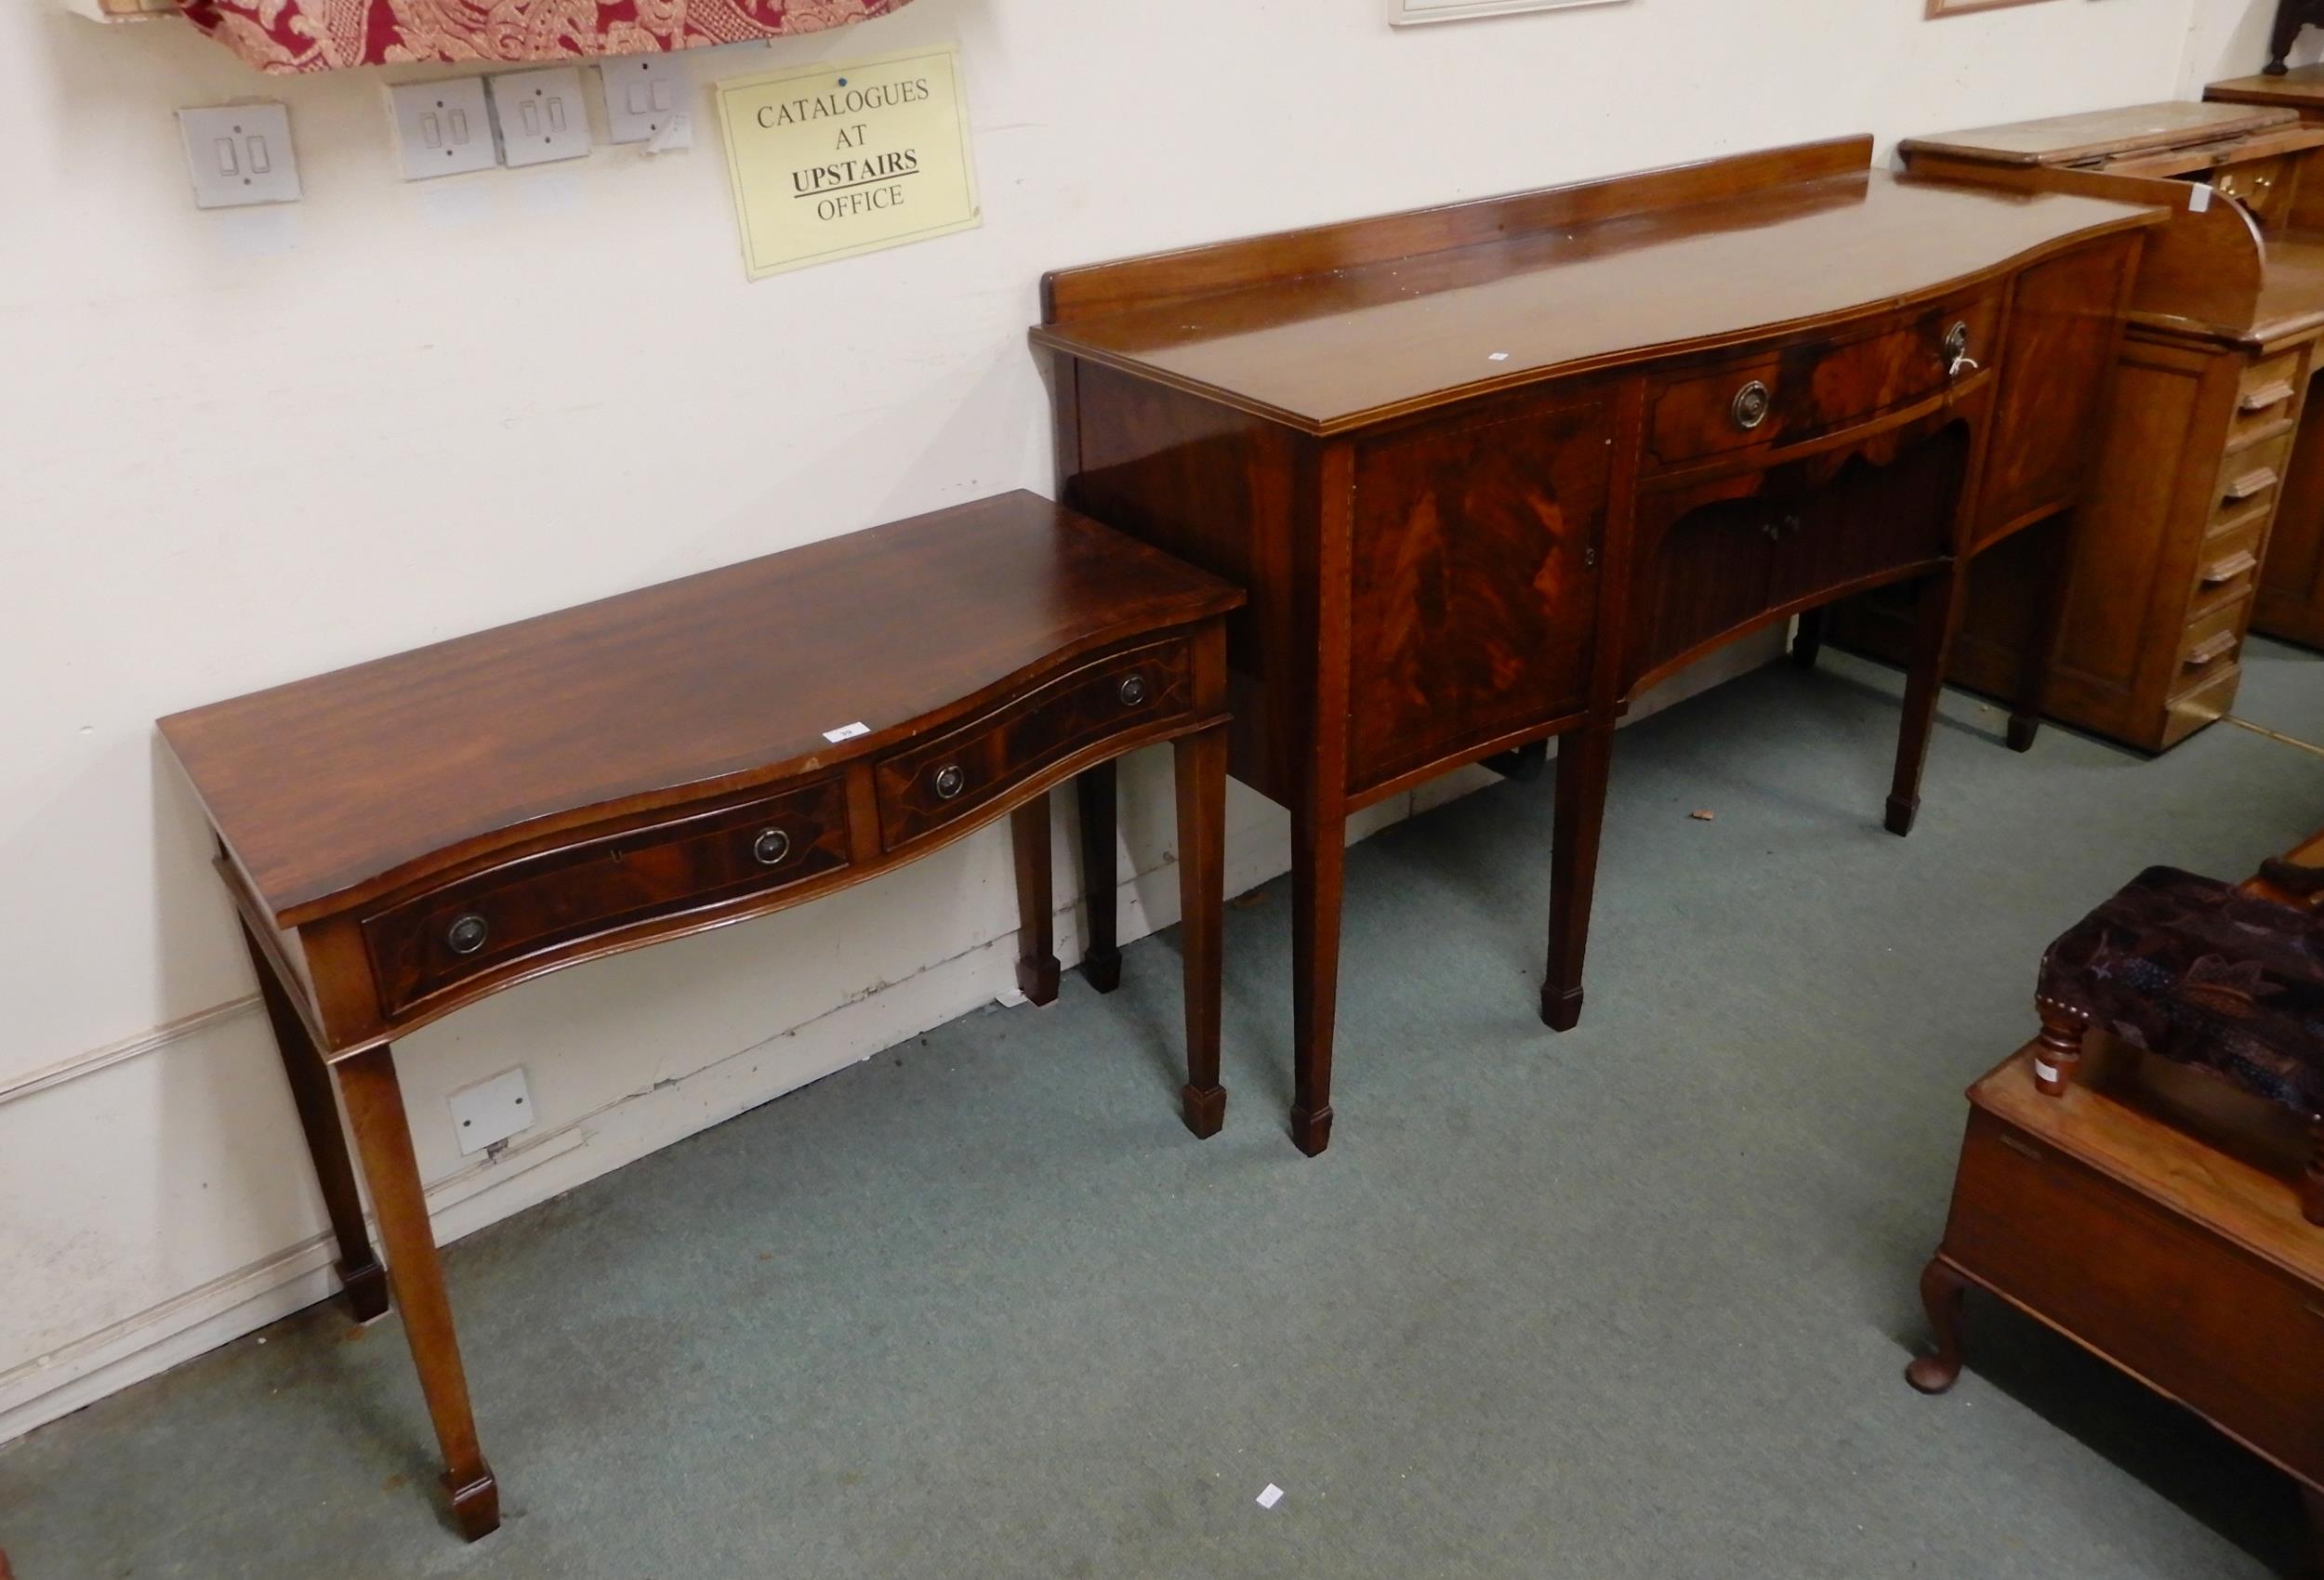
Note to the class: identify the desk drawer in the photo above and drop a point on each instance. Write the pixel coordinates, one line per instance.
(2266, 396)
(538, 904)
(1802, 391)
(2232, 1336)
(2248, 478)
(2211, 641)
(2226, 568)
(926, 787)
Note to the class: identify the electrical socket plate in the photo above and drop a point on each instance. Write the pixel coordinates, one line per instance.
(239, 153)
(491, 1110)
(444, 129)
(541, 116)
(642, 101)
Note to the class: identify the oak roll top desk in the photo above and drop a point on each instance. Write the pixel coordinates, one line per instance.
(411, 835)
(2205, 510)
(1488, 470)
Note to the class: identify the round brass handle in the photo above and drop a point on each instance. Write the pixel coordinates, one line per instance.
(466, 934)
(770, 847)
(950, 781)
(1133, 689)
(1751, 406)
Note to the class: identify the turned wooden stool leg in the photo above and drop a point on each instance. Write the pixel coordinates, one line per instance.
(374, 1109)
(1036, 940)
(1101, 959)
(2060, 1051)
(1809, 643)
(1936, 617)
(1941, 1293)
(1201, 763)
(2312, 1182)
(1585, 760)
(361, 1276)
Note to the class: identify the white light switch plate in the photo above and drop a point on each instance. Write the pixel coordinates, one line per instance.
(645, 100)
(444, 129)
(490, 1111)
(239, 153)
(541, 116)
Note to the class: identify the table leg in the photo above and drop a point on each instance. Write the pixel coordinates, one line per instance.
(374, 1109)
(1102, 957)
(1319, 860)
(1942, 1290)
(1585, 760)
(1809, 643)
(1934, 619)
(1037, 942)
(2310, 1499)
(1201, 764)
(2048, 635)
(361, 1276)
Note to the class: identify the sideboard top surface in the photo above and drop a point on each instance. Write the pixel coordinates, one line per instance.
(1337, 349)
(713, 682)
(2301, 88)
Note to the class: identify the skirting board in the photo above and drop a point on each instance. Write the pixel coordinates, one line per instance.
(242, 1302)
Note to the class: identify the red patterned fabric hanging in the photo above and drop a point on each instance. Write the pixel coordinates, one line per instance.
(325, 35)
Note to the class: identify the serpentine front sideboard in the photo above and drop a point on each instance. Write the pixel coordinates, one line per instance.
(1488, 470)
(406, 837)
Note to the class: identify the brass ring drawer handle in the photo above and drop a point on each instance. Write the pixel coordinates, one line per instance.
(466, 934)
(950, 782)
(1957, 358)
(1752, 404)
(770, 847)
(1134, 690)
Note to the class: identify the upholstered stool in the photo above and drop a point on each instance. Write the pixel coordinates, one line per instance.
(2196, 971)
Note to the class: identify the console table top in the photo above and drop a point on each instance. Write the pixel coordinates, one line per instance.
(718, 681)
(1443, 304)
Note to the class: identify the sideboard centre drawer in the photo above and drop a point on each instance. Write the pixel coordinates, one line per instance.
(535, 905)
(932, 785)
(1807, 390)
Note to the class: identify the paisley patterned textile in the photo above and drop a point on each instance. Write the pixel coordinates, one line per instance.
(287, 36)
(2196, 971)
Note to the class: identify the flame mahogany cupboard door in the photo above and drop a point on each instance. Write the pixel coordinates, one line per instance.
(1475, 571)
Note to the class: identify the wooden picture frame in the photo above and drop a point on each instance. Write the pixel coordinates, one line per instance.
(1962, 7)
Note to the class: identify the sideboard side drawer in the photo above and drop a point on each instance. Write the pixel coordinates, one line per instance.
(477, 925)
(926, 787)
(2197, 1319)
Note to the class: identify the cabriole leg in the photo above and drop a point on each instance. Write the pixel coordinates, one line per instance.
(363, 1278)
(1201, 763)
(374, 1109)
(1941, 1292)
(1037, 942)
(1102, 960)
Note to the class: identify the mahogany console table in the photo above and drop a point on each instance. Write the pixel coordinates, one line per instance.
(1488, 470)
(409, 835)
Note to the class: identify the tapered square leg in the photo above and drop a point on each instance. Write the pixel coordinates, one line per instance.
(362, 1277)
(1318, 873)
(1201, 764)
(1585, 760)
(383, 1138)
(1936, 617)
(1809, 643)
(1036, 943)
(2038, 662)
(1101, 959)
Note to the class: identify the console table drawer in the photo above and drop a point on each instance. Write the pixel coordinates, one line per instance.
(1806, 390)
(535, 904)
(926, 787)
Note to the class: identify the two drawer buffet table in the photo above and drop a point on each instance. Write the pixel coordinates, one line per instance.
(409, 835)
(1489, 470)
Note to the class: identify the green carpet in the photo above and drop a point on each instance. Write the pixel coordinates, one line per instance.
(1630, 1302)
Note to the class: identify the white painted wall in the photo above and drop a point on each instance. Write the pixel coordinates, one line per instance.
(242, 447)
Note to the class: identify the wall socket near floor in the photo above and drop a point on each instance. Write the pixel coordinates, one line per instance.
(491, 1110)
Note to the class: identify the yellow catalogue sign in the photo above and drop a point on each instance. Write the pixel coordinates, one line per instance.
(832, 161)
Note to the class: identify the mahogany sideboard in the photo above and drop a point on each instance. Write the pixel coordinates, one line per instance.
(1488, 470)
(409, 835)
(2207, 484)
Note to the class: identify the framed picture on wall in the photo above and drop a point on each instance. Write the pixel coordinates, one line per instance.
(1956, 7)
(1410, 13)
